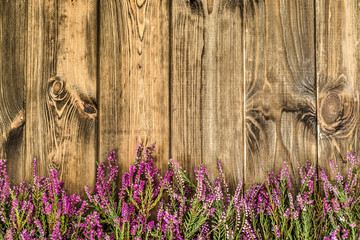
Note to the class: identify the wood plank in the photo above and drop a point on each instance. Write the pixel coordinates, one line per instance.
(207, 86)
(13, 22)
(338, 58)
(61, 89)
(134, 79)
(280, 86)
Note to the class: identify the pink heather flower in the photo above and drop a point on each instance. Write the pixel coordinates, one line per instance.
(335, 170)
(287, 213)
(353, 159)
(327, 206)
(296, 214)
(9, 234)
(276, 231)
(248, 230)
(353, 225)
(345, 233)
(39, 226)
(133, 230)
(24, 235)
(284, 174)
(117, 222)
(150, 225)
(335, 233)
(56, 232)
(336, 205)
(291, 201)
(222, 177)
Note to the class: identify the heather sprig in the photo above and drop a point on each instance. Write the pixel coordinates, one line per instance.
(126, 210)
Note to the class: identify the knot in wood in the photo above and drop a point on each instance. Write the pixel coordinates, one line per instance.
(56, 88)
(88, 108)
(19, 120)
(140, 3)
(331, 108)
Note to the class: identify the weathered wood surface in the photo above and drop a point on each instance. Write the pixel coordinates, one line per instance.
(251, 82)
(207, 85)
(13, 24)
(338, 80)
(134, 78)
(280, 88)
(61, 90)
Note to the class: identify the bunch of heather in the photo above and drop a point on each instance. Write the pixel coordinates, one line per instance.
(198, 220)
(5, 197)
(268, 207)
(269, 210)
(227, 212)
(306, 215)
(145, 205)
(171, 213)
(126, 211)
(340, 218)
(200, 210)
(38, 210)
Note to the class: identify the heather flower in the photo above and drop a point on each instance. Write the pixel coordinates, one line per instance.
(345, 233)
(276, 231)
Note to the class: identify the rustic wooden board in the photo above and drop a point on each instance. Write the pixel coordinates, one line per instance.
(338, 80)
(280, 86)
(134, 78)
(61, 89)
(207, 85)
(13, 22)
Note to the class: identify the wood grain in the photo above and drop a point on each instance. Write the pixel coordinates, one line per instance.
(61, 90)
(13, 21)
(280, 86)
(134, 79)
(207, 85)
(338, 54)
(253, 83)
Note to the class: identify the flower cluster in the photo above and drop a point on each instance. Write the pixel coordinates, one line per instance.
(144, 204)
(38, 210)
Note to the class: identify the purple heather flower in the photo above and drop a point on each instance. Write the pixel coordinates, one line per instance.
(353, 224)
(24, 235)
(276, 231)
(345, 233)
(335, 233)
(56, 232)
(150, 225)
(336, 205)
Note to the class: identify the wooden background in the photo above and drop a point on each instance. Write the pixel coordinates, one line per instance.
(252, 82)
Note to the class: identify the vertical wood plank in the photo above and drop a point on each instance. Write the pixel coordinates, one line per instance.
(13, 20)
(207, 85)
(61, 89)
(338, 54)
(280, 86)
(134, 78)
